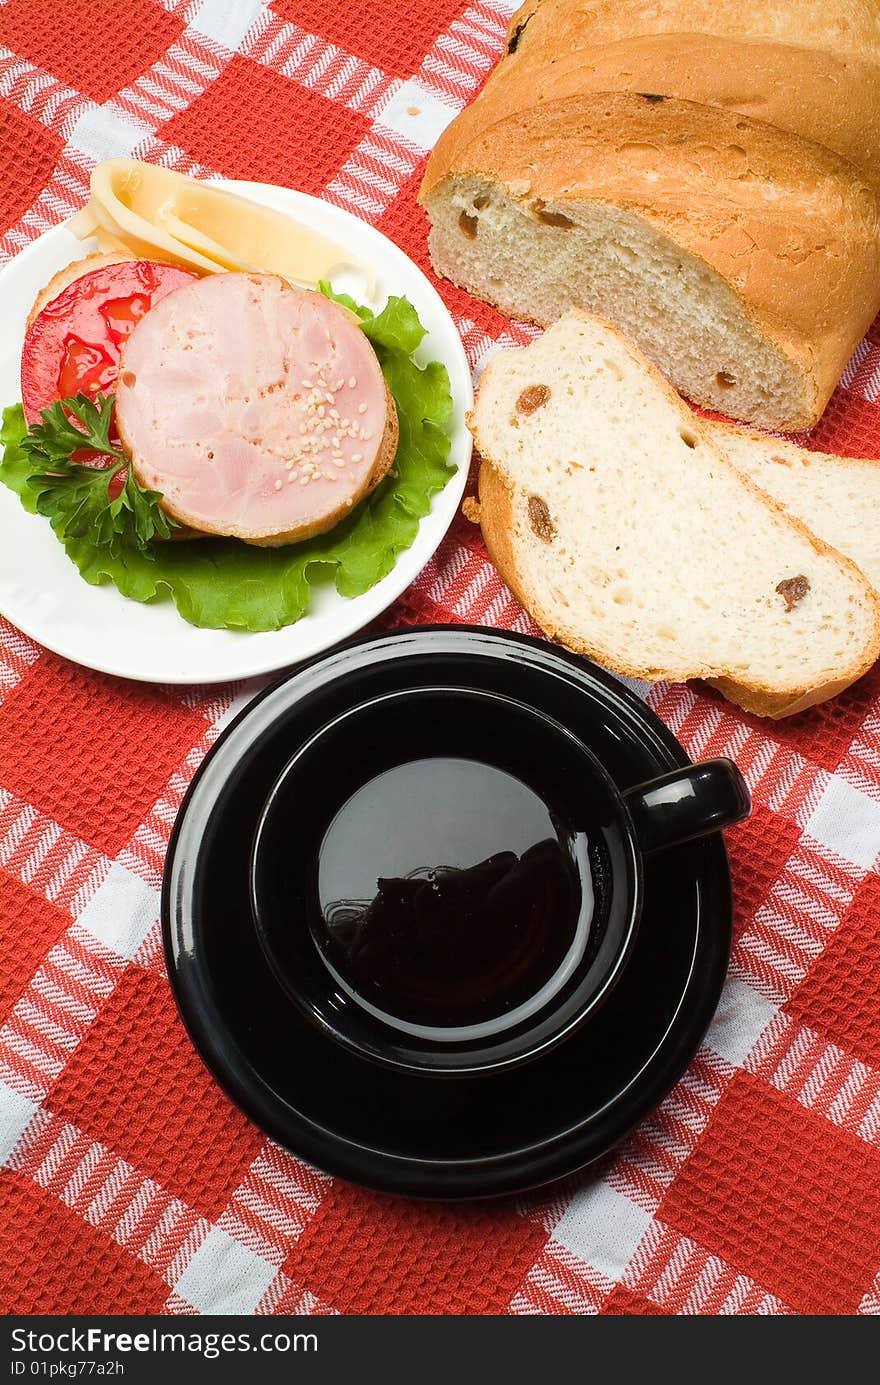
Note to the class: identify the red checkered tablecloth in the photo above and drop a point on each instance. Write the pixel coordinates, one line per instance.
(129, 1183)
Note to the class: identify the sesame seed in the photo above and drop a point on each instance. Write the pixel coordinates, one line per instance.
(288, 465)
(352, 382)
(334, 413)
(328, 476)
(278, 485)
(304, 480)
(321, 411)
(306, 384)
(337, 385)
(329, 397)
(362, 408)
(365, 436)
(356, 457)
(290, 480)
(339, 461)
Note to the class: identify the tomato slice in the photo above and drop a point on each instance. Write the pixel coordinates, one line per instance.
(74, 344)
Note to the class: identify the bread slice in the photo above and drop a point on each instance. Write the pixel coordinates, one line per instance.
(742, 259)
(838, 498)
(630, 538)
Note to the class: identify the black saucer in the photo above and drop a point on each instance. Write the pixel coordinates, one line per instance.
(449, 1137)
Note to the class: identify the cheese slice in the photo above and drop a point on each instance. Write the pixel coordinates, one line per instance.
(162, 215)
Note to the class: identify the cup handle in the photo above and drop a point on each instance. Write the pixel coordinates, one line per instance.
(688, 803)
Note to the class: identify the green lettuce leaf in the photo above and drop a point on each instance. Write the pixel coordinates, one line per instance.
(16, 465)
(225, 584)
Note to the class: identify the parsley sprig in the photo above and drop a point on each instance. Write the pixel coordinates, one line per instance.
(75, 496)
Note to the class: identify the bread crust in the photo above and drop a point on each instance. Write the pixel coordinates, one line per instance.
(721, 427)
(844, 28)
(756, 77)
(804, 264)
(496, 514)
(776, 708)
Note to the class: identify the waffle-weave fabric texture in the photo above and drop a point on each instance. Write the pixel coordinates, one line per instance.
(129, 1183)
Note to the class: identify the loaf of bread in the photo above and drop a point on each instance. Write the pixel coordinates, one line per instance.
(630, 538)
(706, 177)
(838, 498)
(811, 69)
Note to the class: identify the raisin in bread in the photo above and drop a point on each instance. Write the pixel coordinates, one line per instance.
(838, 498)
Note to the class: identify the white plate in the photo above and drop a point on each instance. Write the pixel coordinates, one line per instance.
(43, 594)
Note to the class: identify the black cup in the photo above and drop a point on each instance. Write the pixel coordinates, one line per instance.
(448, 881)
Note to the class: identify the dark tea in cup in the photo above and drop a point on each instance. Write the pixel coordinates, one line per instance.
(453, 901)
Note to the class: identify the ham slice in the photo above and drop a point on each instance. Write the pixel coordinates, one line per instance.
(258, 410)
